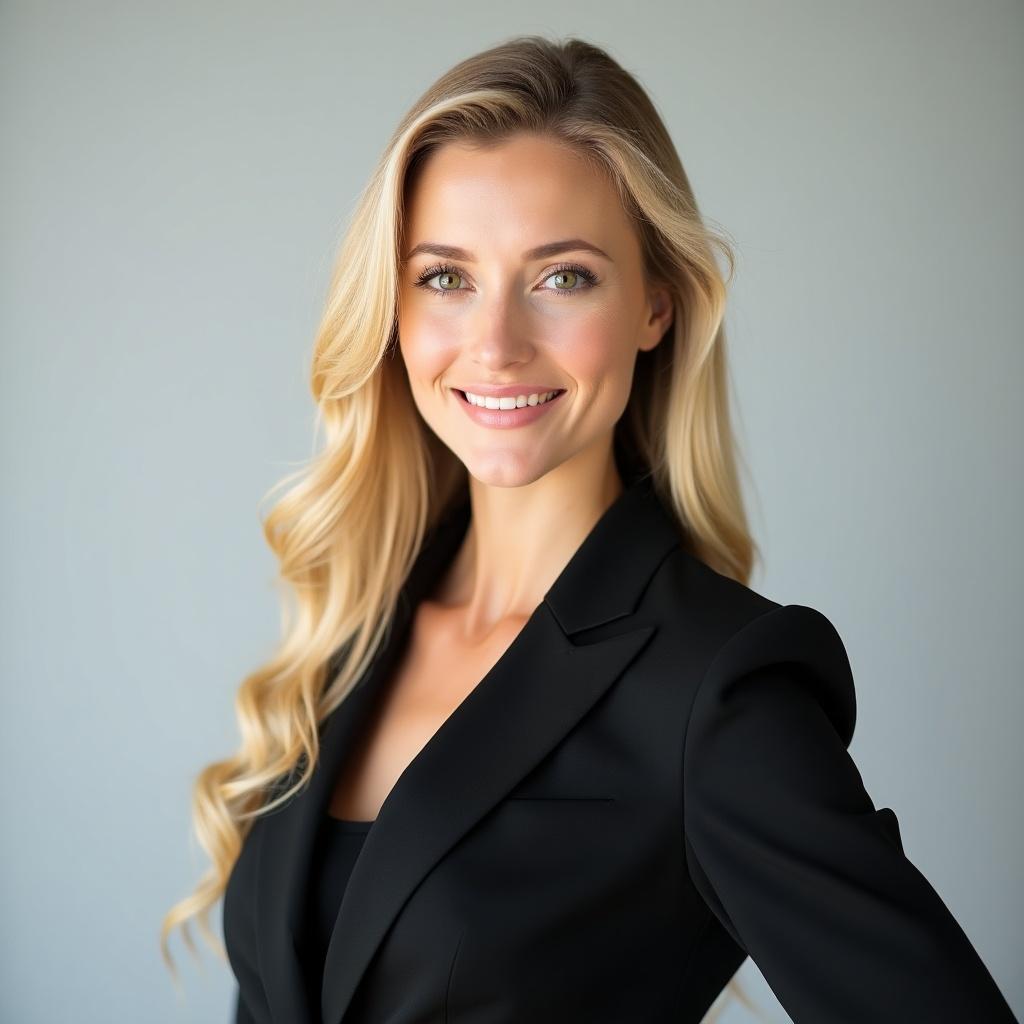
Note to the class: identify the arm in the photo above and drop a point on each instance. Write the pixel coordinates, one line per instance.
(791, 855)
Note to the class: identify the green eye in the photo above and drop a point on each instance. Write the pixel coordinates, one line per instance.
(446, 275)
(569, 279)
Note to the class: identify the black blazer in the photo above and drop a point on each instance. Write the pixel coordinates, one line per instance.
(651, 784)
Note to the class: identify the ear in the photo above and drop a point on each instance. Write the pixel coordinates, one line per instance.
(660, 312)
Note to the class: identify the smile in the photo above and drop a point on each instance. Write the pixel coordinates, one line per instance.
(508, 401)
(506, 411)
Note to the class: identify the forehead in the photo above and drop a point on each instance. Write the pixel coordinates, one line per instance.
(523, 191)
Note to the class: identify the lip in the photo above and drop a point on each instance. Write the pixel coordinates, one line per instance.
(506, 418)
(507, 390)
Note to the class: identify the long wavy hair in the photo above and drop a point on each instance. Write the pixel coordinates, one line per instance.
(381, 479)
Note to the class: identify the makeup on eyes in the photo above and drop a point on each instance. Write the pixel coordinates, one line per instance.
(587, 276)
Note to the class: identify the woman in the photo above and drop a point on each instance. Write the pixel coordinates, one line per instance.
(531, 749)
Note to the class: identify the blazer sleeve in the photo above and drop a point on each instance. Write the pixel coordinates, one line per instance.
(242, 1013)
(787, 849)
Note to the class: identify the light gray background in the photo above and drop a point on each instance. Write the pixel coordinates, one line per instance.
(174, 179)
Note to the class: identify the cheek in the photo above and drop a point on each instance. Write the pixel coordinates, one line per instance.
(596, 353)
(427, 347)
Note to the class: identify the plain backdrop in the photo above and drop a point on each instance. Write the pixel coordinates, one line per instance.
(174, 178)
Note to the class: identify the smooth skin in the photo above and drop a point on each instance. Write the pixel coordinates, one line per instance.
(536, 490)
(495, 317)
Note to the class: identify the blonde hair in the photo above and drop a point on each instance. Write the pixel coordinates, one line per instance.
(382, 478)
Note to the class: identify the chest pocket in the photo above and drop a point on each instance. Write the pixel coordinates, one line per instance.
(568, 775)
(543, 793)
(541, 786)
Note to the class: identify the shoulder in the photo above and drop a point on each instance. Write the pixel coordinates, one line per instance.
(685, 586)
(796, 647)
(736, 636)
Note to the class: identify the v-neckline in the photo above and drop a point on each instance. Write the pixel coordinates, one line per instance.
(380, 675)
(382, 679)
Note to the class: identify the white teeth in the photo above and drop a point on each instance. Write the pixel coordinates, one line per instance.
(508, 402)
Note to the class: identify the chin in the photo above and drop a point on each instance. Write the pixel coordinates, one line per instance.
(506, 469)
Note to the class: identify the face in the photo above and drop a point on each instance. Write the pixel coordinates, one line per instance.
(500, 311)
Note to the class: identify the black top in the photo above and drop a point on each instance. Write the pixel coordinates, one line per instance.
(338, 843)
(650, 784)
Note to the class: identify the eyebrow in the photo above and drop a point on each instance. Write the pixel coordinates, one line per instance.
(540, 252)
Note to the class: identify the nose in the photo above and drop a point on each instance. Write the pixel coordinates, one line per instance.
(497, 334)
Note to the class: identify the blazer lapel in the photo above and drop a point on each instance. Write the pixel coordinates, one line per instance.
(543, 684)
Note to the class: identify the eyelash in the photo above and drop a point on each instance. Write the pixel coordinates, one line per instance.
(446, 268)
